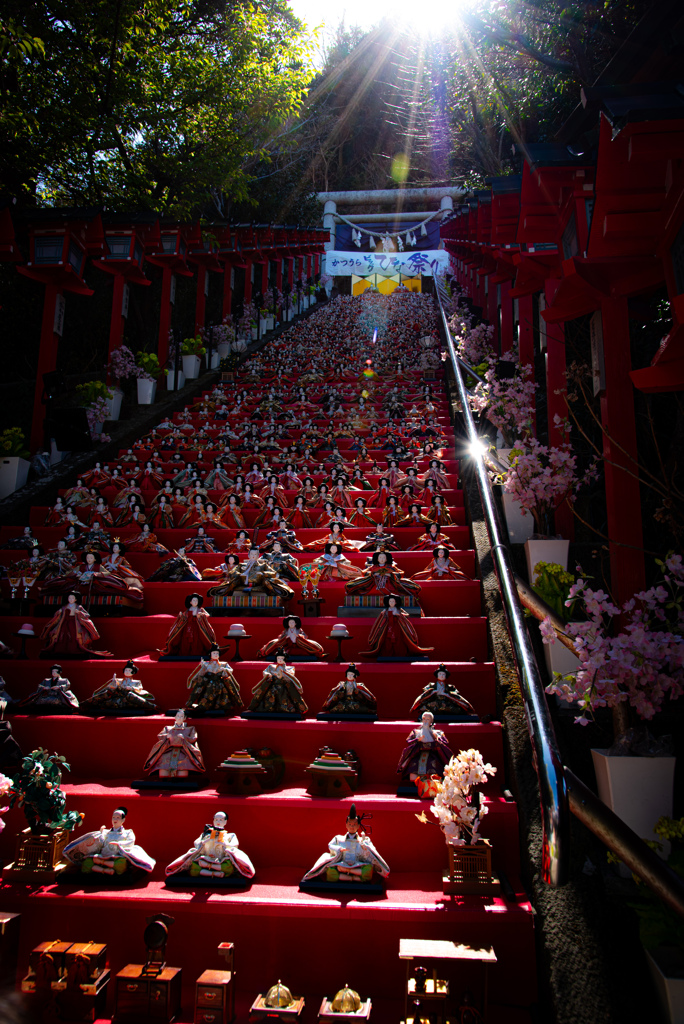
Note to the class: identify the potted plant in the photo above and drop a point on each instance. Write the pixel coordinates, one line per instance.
(192, 350)
(14, 464)
(36, 788)
(95, 397)
(661, 930)
(224, 335)
(121, 367)
(459, 812)
(631, 660)
(541, 478)
(552, 582)
(149, 371)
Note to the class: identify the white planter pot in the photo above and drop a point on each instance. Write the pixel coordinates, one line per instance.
(663, 962)
(223, 349)
(171, 380)
(191, 367)
(263, 325)
(549, 550)
(638, 789)
(519, 521)
(13, 473)
(215, 360)
(114, 404)
(270, 323)
(147, 390)
(98, 428)
(255, 334)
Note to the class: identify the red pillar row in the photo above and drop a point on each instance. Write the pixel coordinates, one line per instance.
(507, 339)
(556, 388)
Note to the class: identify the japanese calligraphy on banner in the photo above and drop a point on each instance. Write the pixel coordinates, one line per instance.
(365, 264)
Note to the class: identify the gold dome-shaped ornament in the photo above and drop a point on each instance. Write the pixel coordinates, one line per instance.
(346, 1001)
(278, 995)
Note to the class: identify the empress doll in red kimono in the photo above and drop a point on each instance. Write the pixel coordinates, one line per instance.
(299, 517)
(442, 567)
(292, 640)
(431, 539)
(334, 566)
(381, 496)
(232, 515)
(146, 540)
(192, 632)
(71, 632)
(393, 634)
(161, 514)
(359, 516)
(382, 576)
(439, 512)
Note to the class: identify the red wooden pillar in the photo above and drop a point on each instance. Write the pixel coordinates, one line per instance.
(248, 281)
(506, 317)
(623, 502)
(201, 300)
(47, 359)
(556, 387)
(526, 330)
(165, 315)
(264, 276)
(118, 319)
(279, 273)
(477, 289)
(227, 306)
(492, 312)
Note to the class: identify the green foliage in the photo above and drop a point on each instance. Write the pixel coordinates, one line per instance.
(157, 106)
(193, 346)
(552, 582)
(91, 391)
(13, 442)
(149, 364)
(36, 788)
(658, 924)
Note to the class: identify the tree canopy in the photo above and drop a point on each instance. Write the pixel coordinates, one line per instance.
(154, 104)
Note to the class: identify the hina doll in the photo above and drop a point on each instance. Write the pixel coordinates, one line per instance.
(58, 561)
(293, 640)
(394, 473)
(299, 517)
(53, 696)
(111, 852)
(288, 478)
(351, 857)
(146, 540)
(436, 472)
(270, 515)
(439, 512)
(192, 633)
(425, 754)
(224, 572)
(393, 634)
(149, 480)
(335, 535)
(231, 514)
(213, 687)
(432, 538)
(380, 497)
(307, 490)
(121, 695)
(71, 632)
(350, 697)
(414, 516)
(358, 480)
(255, 575)
(97, 477)
(217, 479)
(161, 514)
(194, 512)
(57, 514)
(210, 517)
(240, 543)
(442, 567)
(379, 540)
(179, 503)
(392, 514)
(94, 539)
(282, 562)
(334, 567)
(359, 516)
(286, 538)
(90, 577)
(215, 854)
(77, 495)
(440, 698)
(275, 490)
(101, 512)
(322, 495)
(340, 493)
(177, 568)
(278, 691)
(382, 576)
(254, 475)
(176, 755)
(201, 543)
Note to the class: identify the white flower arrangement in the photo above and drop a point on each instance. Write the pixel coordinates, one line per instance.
(458, 818)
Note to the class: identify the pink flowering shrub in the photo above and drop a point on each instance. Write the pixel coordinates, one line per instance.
(541, 478)
(642, 664)
(509, 403)
(474, 344)
(122, 364)
(5, 788)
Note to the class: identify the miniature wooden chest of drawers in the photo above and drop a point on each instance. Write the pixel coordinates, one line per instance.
(139, 999)
(214, 997)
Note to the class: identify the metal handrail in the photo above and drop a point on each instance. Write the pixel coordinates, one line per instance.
(554, 798)
(560, 789)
